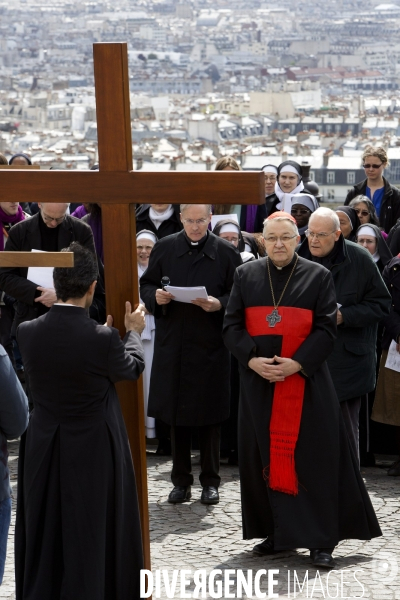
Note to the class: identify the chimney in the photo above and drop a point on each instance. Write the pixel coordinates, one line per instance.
(326, 157)
(305, 166)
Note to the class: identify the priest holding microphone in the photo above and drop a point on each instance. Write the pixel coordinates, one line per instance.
(189, 384)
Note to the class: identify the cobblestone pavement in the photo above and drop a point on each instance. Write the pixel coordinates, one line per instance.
(192, 536)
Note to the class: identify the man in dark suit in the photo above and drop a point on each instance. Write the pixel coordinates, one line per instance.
(78, 530)
(49, 230)
(189, 384)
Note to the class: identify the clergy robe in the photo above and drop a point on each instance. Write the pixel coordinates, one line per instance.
(332, 503)
(77, 532)
(189, 382)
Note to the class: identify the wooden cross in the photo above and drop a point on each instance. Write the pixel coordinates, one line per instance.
(117, 188)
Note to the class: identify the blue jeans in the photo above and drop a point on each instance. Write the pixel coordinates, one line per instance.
(5, 519)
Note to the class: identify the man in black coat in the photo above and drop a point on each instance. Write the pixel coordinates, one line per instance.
(362, 299)
(78, 530)
(300, 484)
(189, 383)
(49, 230)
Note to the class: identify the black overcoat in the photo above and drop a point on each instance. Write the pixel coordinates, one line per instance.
(24, 237)
(78, 529)
(364, 301)
(190, 374)
(332, 503)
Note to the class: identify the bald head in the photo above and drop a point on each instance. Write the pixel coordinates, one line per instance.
(324, 231)
(53, 214)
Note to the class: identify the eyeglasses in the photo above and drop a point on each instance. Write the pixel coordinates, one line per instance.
(364, 213)
(284, 239)
(368, 166)
(300, 211)
(48, 219)
(195, 221)
(318, 236)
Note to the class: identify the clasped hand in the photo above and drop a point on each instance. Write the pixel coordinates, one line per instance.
(266, 368)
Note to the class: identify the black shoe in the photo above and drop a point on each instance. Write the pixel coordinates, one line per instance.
(322, 559)
(180, 493)
(266, 547)
(209, 495)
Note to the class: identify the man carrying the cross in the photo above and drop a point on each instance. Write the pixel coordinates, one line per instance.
(300, 484)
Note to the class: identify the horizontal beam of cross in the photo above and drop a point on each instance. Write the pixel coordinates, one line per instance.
(36, 259)
(133, 187)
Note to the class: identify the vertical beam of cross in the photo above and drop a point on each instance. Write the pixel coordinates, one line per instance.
(119, 238)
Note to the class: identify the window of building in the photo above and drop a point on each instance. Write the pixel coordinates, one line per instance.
(312, 175)
(331, 194)
(330, 177)
(351, 177)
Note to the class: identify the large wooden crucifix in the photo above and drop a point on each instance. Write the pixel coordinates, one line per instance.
(118, 189)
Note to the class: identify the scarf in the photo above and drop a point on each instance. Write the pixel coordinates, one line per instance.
(285, 203)
(12, 219)
(159, 217)
(251, 211)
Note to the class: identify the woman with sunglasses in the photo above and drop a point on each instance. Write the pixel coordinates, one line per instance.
(385, 197)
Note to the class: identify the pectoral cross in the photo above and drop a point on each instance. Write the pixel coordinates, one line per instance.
(117, 188)
(274, 318)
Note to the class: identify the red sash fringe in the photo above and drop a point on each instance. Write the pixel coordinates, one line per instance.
(295, 327)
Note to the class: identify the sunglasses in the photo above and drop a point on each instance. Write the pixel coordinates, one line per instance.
(364, 213)
(368, 166)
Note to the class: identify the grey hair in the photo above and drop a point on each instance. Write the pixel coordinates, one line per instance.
(326, 213)
(358, 199)
(185, 206)
(266, 221)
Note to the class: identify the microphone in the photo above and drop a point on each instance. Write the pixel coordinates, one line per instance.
(165, 281)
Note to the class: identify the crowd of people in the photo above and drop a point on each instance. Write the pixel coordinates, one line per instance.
(282, 368)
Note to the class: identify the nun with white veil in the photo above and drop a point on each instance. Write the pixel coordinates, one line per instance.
(145, 241)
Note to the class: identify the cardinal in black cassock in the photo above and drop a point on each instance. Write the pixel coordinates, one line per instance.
(300, 483)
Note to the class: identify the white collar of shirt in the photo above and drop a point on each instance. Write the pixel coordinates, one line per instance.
(64, 304)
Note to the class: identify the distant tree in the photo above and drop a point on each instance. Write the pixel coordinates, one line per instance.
(152, 56)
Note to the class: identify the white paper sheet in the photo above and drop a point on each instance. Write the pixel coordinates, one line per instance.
(42, 276)
(186, 294)
(217, 218)
(393, 358)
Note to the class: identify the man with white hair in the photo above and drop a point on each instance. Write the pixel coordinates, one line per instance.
(51, 229)
(362, 301)
(300, 484)
(189, 386)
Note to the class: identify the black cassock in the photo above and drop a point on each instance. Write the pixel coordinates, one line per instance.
(77, 532)
(332, 503)
(190, 374)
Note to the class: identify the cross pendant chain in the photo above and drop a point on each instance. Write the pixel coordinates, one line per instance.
(274, 318)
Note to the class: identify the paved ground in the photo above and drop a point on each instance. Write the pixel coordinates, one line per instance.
(192, 536)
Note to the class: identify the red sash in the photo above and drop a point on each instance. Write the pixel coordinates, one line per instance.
(295, 327)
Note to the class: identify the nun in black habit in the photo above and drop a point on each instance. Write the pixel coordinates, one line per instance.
(349, 222)
(300, 482)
